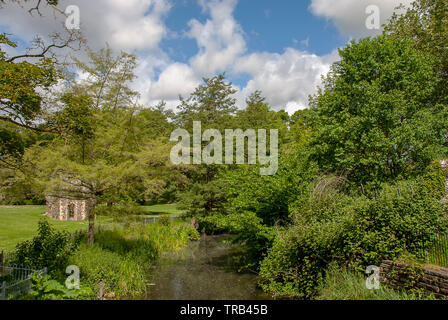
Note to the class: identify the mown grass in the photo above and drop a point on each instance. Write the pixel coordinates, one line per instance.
(19, 223)
(343, 284)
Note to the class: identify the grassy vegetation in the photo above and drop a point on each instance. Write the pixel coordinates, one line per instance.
(343, 284)
(120, 257)
(19, 223)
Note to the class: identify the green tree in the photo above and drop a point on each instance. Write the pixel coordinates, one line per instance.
(258, 115)
(426, 21)
(105, 152)
(20, 101)
(211, 103)
(300, 126)
(376, 117)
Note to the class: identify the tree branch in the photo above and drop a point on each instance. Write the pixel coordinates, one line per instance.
(42, 54)
(23, 125)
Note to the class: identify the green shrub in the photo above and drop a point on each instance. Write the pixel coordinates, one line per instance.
(191, 232)
(355, 230)
(164, 221)
(44, 288)
(50, 248)
(388, 226)
(299, 257)
(432, 183)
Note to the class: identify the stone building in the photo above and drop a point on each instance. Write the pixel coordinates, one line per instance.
(68, 209)
(71, 201)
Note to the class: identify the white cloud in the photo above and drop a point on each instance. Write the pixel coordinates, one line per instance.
(125, 24)
(135, 26)
(349, 16)
(285, 79)
(220, 39)
(177, 78)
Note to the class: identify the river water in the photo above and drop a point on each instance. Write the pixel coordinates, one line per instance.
(205, 270)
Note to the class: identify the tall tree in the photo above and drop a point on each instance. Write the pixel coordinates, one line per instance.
(258, 115)
(212, 103)
(105, 152)
(426, 21)
(376, 117)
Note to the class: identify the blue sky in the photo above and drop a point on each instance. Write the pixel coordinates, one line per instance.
(280, 47)
(269, 26)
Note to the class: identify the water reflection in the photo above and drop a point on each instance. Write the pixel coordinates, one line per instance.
(205, 270)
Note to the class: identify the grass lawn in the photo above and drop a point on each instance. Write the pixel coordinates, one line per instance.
(19, 223)
(162, 209)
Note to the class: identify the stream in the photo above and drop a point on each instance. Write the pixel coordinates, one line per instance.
(204, 270)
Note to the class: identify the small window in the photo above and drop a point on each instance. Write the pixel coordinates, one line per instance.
(71, 211)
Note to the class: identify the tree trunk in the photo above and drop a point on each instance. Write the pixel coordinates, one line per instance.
(91, 235)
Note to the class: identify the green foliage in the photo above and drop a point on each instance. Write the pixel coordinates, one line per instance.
(298, 257)
(212, 103)
(426, 21)
(357, 231)
(300, 126)
(50, 248)
(192, 233)
(376, 118)
(21, 103)
(44, 288)
(269, 197)
(203, 198)
(432, 183)
(164, 221)
(343, 284)
(258, 115)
